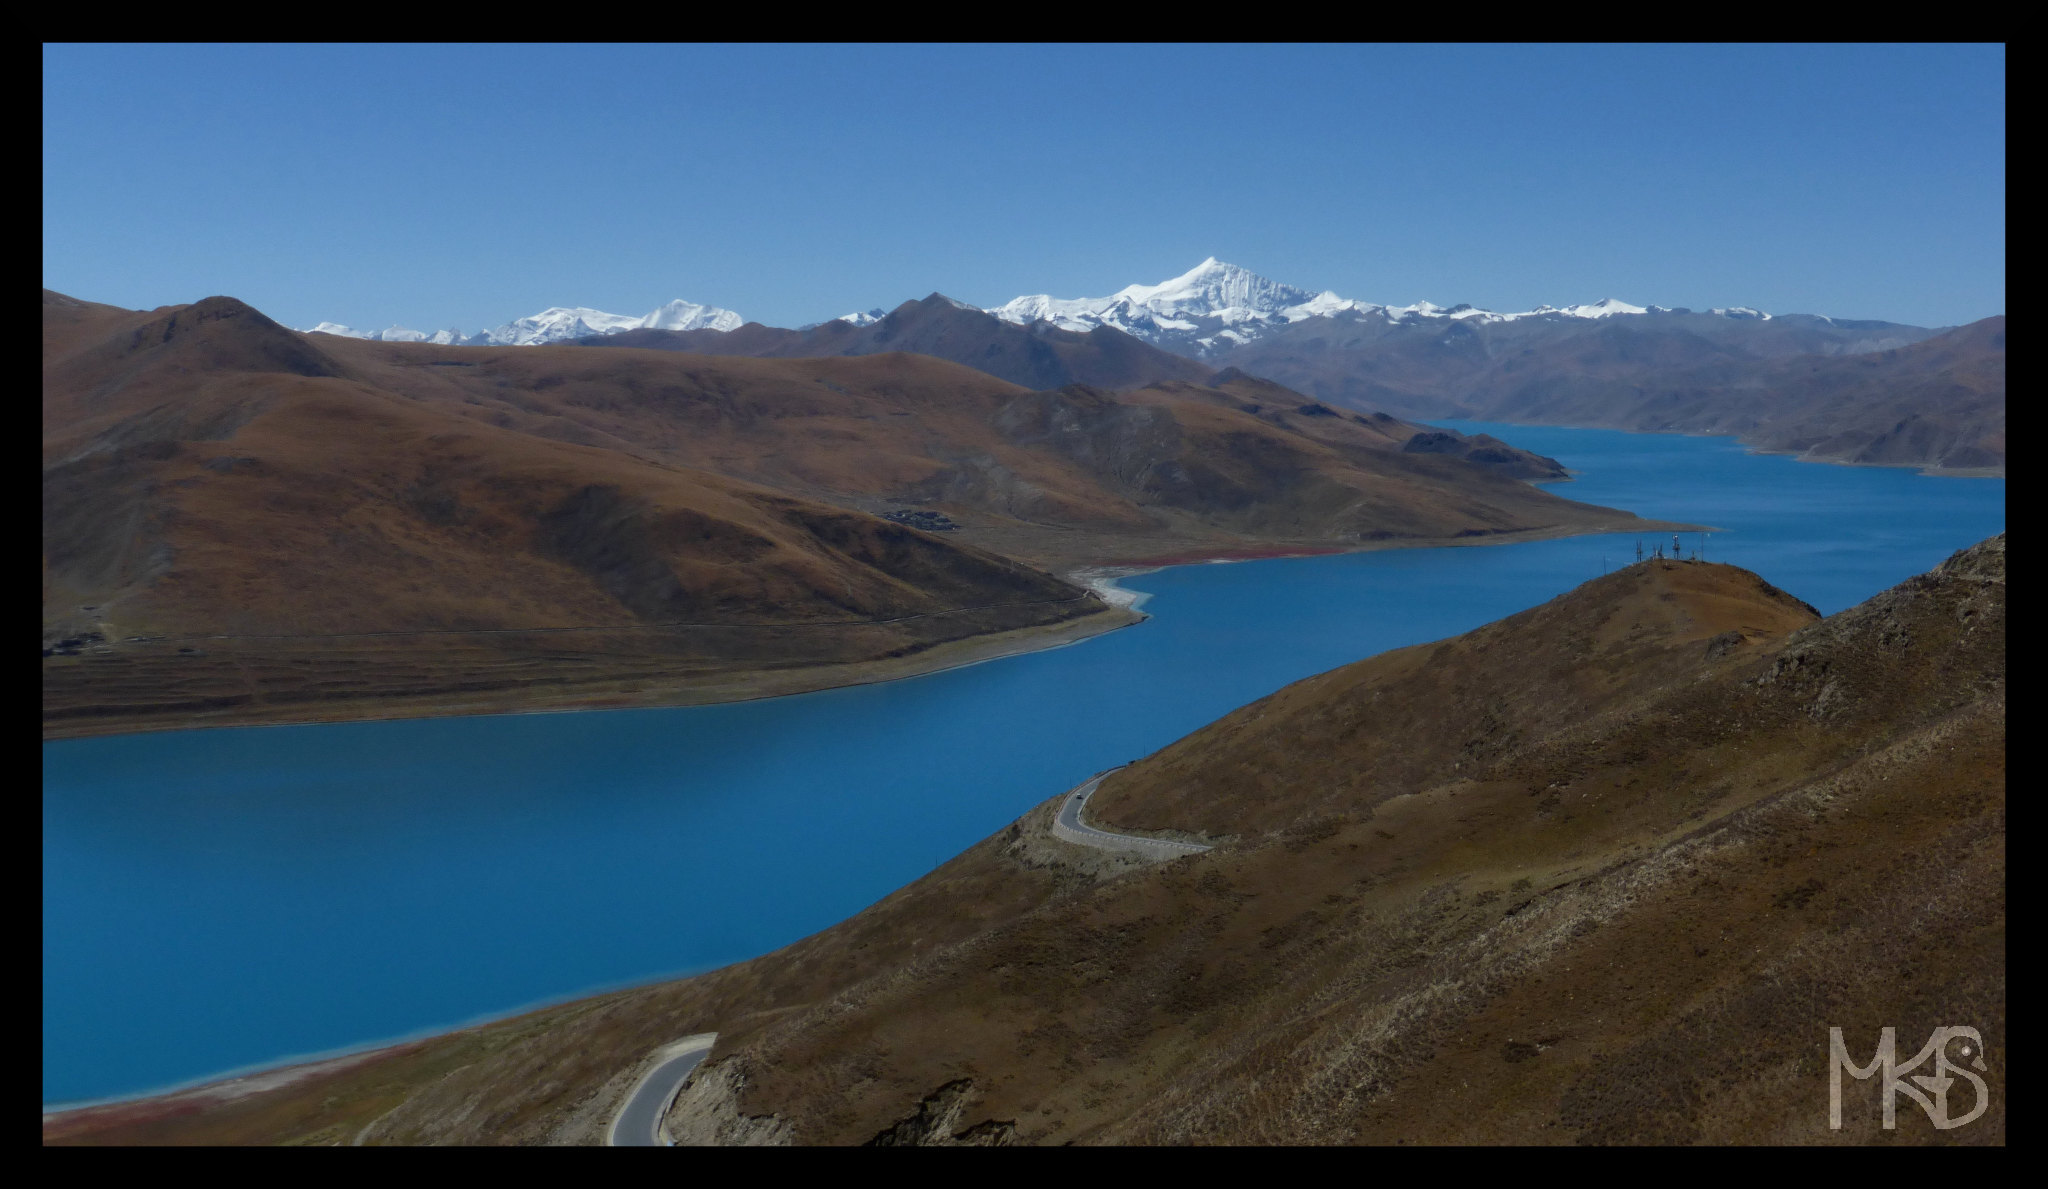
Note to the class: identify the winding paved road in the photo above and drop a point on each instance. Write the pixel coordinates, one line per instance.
(1068, 825)
(638, 1123)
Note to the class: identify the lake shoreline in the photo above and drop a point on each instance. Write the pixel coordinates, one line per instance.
(742, 686)
(1120, 610)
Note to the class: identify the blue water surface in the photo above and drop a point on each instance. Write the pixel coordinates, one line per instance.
(221, 898)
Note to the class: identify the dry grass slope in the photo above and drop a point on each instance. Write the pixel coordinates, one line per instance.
(1603, 872)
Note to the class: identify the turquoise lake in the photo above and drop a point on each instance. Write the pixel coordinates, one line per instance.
(224, 898)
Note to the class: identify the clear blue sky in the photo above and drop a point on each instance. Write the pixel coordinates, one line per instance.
(467, 185)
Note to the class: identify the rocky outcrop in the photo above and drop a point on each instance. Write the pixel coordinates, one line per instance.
(707, 1113)
(936, 1123)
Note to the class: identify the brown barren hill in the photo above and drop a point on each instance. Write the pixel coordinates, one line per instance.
(1058, 478)
(1607, 871)
(239, 526)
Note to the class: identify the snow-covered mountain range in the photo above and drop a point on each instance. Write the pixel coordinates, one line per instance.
(1215, 307)
(1209, 310)
(554, 325)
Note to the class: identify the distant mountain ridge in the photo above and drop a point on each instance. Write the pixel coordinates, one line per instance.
(555, 324)
(1215, 308)
(1209, 310)
(1730, 369)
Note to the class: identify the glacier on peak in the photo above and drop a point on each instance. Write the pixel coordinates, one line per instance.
(557, 324)
(1212, 287)
(1606, 307)
(688, 315)
(390, 334)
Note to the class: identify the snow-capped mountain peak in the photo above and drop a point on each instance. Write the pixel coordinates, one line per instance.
(688, 315)
(1212, 287)
(1210, 297)
(1606, 307)
(556, 324)
(1213, 306)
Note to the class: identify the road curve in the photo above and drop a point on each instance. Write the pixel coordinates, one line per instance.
(1067, 825)
(638, 1123)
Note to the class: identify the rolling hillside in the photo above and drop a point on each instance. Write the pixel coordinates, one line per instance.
(237, 524)
(1605, 871)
